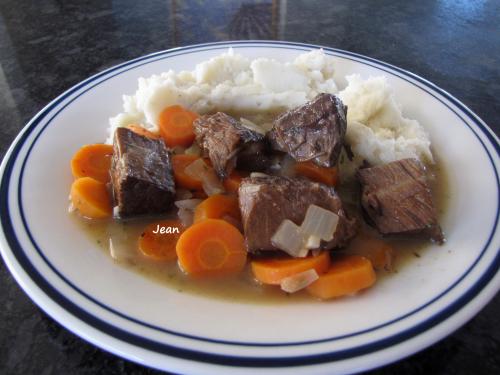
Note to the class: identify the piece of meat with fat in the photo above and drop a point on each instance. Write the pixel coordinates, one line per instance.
(397, 199)
(141, 174)
(314, 131)
(228, 144)
(266, 201)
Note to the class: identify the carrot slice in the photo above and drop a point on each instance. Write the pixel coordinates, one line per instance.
(142, 131)
(379, 252)
(218, 206)
(347, 274)
(272, 271)
(93, 161)
(211, 247)
(327, 176)
(233, 181)
(91, 198)
(161, 246)
(182, 179)
(176, 126)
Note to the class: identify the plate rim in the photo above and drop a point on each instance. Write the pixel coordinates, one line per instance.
(11, 156)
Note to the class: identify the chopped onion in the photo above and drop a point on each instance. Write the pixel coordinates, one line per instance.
(186, 217)
(251, 126)
(258, 174)
(299, 281)
(120, 247)
(188, 204)
(289, 238)
(116, 211)
(312, 242)
(194, 149)
(211, 183)
(71, 208)
(319, 223)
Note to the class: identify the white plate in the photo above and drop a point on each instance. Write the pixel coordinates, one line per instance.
(61, 269)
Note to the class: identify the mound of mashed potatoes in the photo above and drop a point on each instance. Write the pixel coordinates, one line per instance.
(377, 131)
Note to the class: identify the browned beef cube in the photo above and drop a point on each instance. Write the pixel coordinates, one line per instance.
(223, 139)
(314, 131)
(141, 174)
(266, 201)
(396, 197)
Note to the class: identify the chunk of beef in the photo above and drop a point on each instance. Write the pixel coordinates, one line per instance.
(141, 174)
(397, 199)
(314, 131)
(224, 139)
(266, 201)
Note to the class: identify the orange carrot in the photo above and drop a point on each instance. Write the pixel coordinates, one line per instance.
(91, 198)
(92, 161)
(217, 207)
(211, 247)
(272, 271)
(143, 131)
(347, 274)
(176, 126)
(157, 245)
(182, 179)
(327, 176)
(233, 181)
(379, 252)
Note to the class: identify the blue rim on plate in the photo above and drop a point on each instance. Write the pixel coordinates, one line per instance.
(190, 354)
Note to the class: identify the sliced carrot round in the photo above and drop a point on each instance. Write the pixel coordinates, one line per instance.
(211, 247)
(91, 198)
(218, 206)
(272, 271)
(327, 176)
(176, 126)
(93, 161)
(179, 164)
(347, 274)
(143, 131)
(161, 246)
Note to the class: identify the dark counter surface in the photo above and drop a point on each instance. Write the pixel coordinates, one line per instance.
(48, 46)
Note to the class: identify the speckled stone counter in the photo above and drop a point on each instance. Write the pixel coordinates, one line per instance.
(48, 46)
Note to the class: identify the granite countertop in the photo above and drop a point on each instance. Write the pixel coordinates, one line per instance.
(48, 46)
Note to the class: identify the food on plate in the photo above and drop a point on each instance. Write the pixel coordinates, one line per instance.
(141, 174)
(261, 173)
(266, 201)
(223, 139)
(314, 131)
(398, 200)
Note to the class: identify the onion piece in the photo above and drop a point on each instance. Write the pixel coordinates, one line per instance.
(209, 180)
(194, 149)
(258, 174)
(251, 126)
(319, 223)
(289, 238)
(188, 204)
(120, 248)
(299, 281)
(186, 217)
(71, 208)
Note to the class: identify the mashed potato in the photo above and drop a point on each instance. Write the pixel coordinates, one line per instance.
(230, 82)
(377, 131)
